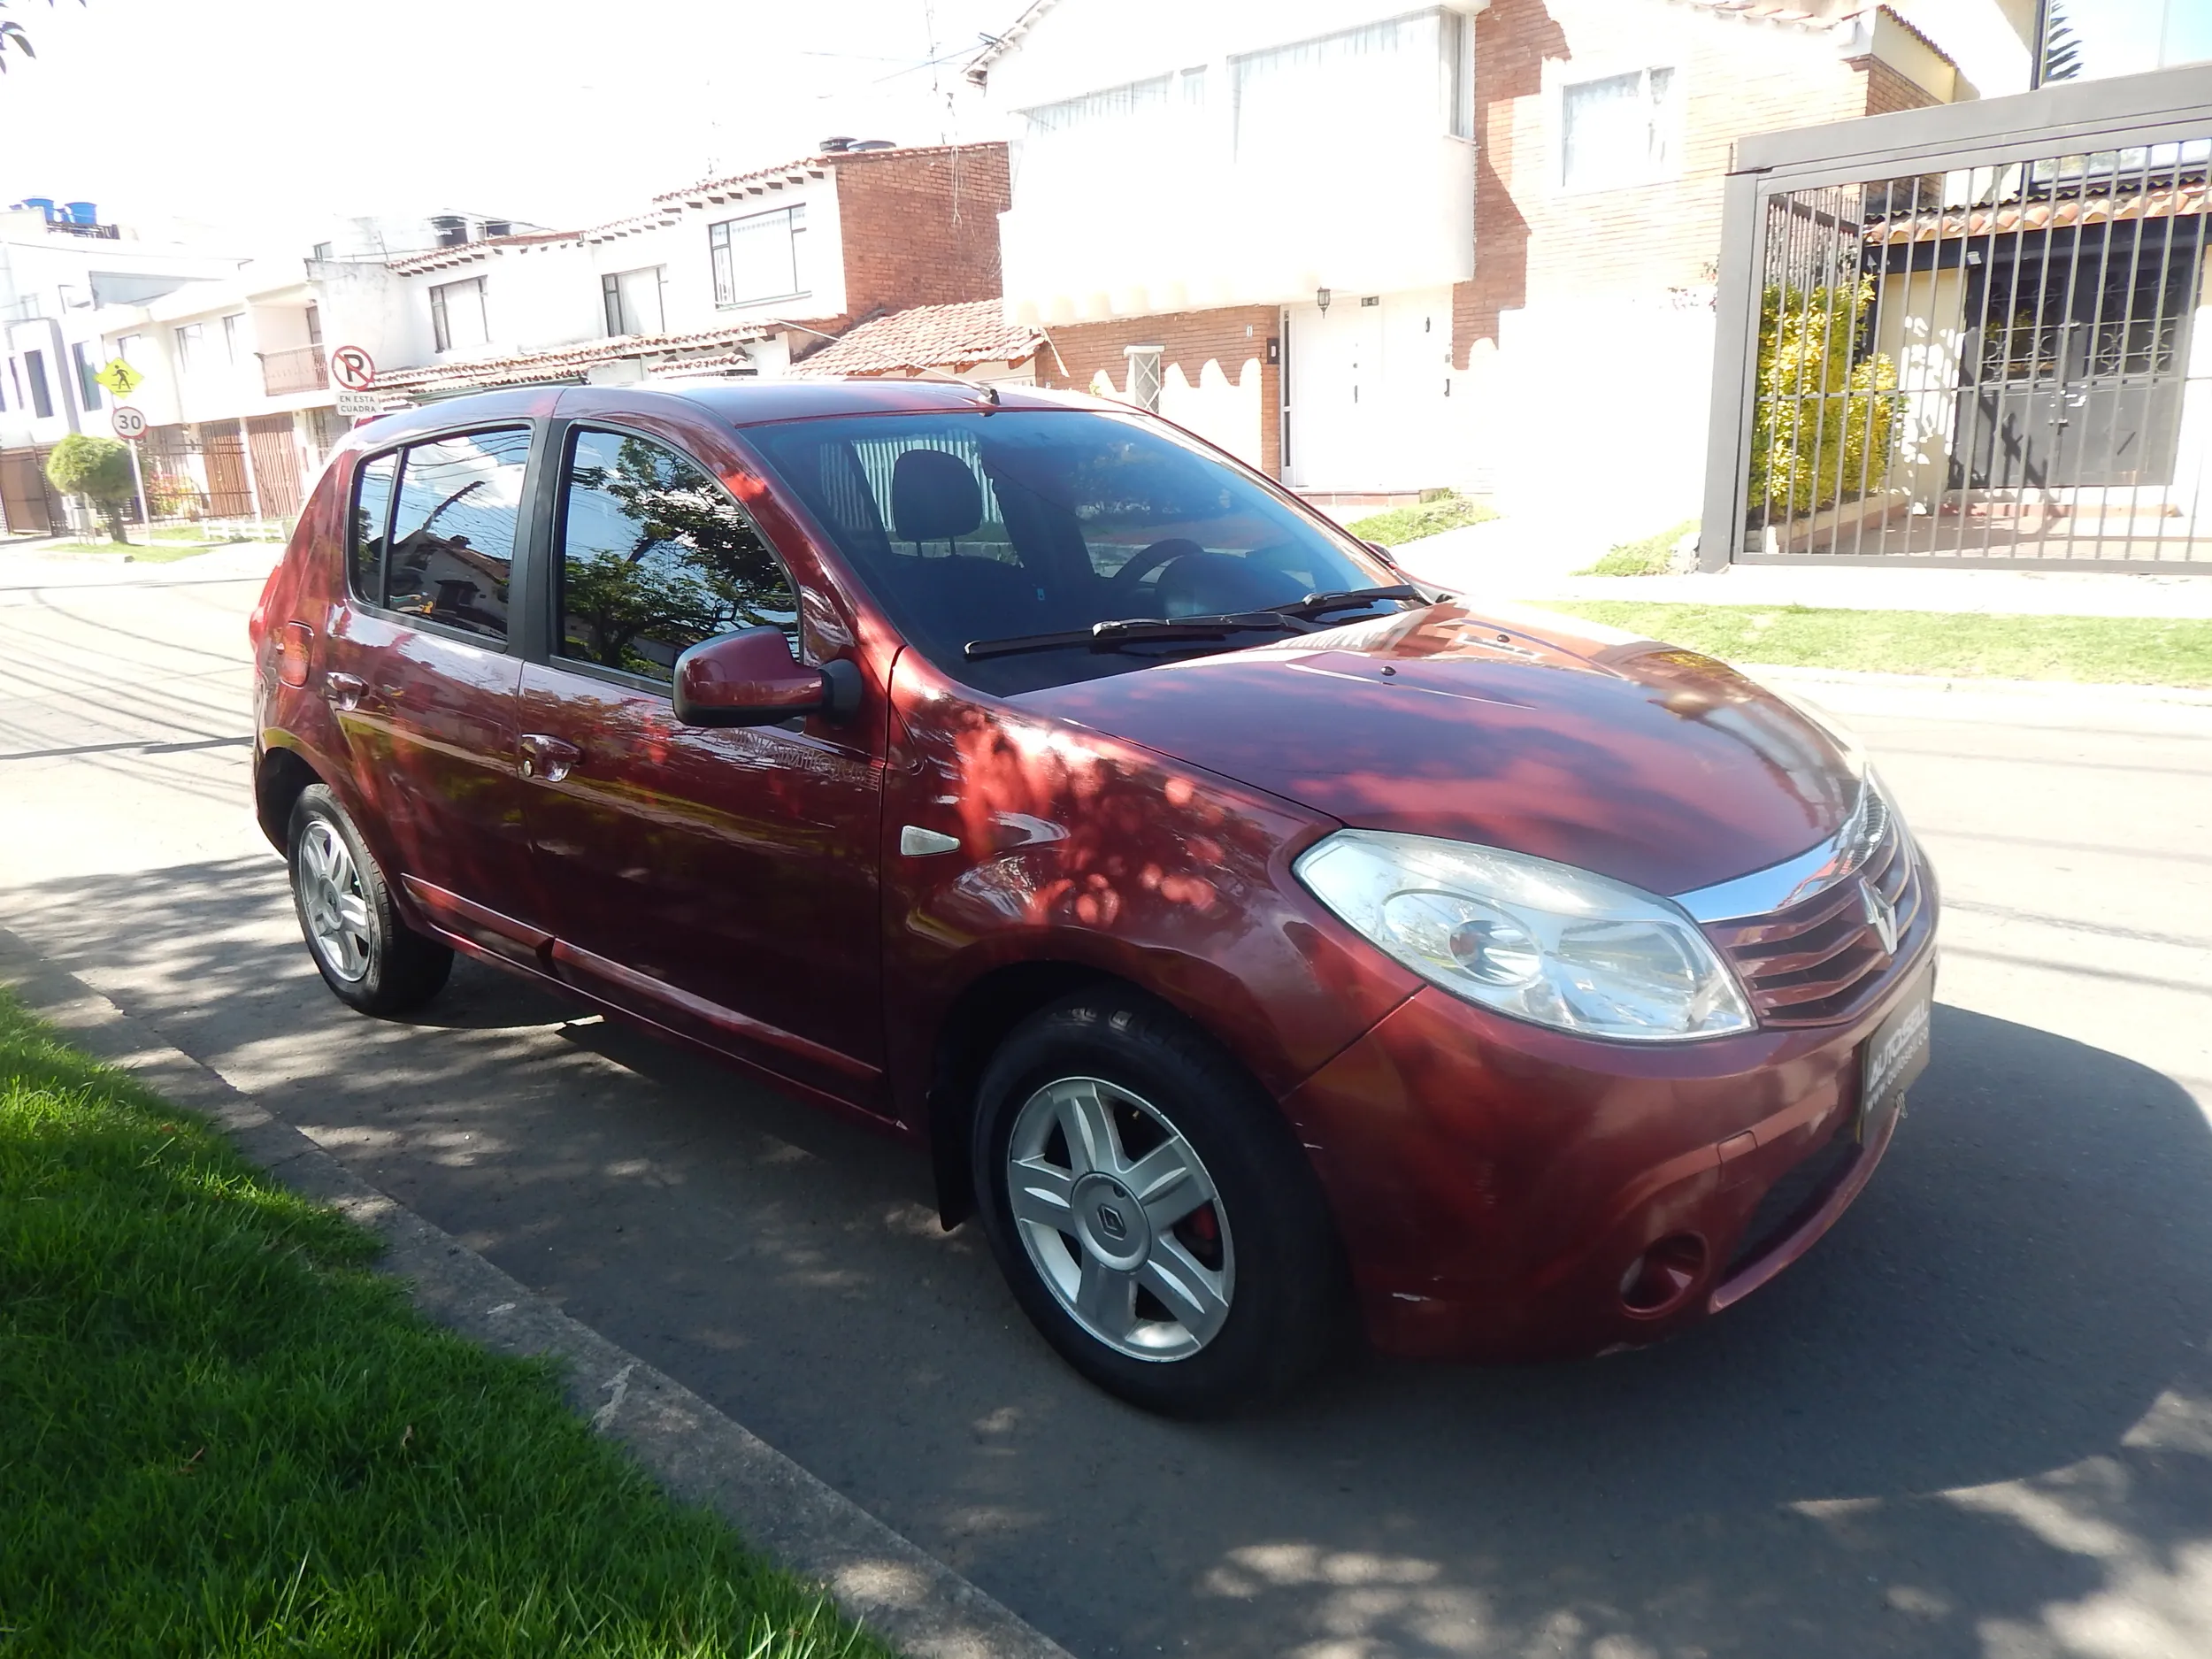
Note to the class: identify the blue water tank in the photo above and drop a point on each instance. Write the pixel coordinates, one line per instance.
(83, 212)
(44, 203)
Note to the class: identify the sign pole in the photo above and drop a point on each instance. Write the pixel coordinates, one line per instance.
(138, 482)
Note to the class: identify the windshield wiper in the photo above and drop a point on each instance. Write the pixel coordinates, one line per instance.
(1352, 599)
(1112, 635)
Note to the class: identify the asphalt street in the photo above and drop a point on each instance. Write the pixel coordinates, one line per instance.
(1976, 1421)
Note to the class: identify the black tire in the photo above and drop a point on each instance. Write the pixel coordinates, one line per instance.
(381, 966)
(1287, 1294)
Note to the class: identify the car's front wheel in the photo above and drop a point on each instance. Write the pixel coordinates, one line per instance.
(1153, 1214)
(369, 958)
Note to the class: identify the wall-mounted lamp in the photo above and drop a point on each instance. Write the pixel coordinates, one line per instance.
(1321, 298)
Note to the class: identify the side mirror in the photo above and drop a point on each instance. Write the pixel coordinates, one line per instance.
(751, 679)
(1382, 553)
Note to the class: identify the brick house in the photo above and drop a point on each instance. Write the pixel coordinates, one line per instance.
(1375, 251)
(744, 274)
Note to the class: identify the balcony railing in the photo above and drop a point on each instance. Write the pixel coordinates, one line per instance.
(302, 369)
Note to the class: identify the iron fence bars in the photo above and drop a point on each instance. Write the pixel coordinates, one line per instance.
(1978, 333)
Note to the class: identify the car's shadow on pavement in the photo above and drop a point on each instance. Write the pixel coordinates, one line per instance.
(1977, 1407)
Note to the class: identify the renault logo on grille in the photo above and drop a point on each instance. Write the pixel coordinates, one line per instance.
(1881, 916)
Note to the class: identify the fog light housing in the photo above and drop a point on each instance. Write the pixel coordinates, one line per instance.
(1661, 1279)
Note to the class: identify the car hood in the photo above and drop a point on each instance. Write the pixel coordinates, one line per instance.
(1509, 727)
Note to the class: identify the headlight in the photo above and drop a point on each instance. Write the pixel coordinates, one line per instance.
(1540, 940)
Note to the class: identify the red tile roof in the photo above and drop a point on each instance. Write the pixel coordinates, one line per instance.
(2006, 219)
(715, 347)
(764, 179)
(928, 337)
(461, 253)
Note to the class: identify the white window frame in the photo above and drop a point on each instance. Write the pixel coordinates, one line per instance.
(1669, 123)
(723, 273)
(191, 340)
(441, 313)
(1154, 357)
(616, 308)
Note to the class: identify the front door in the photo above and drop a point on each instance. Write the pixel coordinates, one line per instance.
(723, 883)
(418, 671)
(2079, 365)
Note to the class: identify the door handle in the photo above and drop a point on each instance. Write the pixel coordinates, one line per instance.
(344, 692)
(548, 757)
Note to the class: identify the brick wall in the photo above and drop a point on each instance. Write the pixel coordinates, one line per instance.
(1230, 337)
(1534, 242)
(1887, 91)
(920, 227)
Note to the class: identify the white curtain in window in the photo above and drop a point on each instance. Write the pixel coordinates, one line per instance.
(1617, 131)
(1306, 96)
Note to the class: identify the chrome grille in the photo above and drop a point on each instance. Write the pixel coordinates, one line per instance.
(1820, 958)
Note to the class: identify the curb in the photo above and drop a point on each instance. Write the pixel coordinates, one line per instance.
(875, 1577)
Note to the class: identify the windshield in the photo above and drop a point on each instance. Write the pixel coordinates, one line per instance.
(990, 526)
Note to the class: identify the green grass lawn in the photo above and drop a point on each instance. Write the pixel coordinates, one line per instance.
(220, 1434)
(1648, 557)
(2117, 650)
(162, 552)
(1410, 523)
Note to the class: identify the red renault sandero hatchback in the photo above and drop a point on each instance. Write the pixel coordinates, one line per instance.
(1264, 945)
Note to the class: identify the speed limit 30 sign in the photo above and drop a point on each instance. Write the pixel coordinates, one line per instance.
(129, 423)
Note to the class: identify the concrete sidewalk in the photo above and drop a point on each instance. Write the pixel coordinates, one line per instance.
(1524, 557)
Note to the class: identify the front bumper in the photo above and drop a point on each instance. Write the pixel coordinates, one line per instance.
(1499, 1186)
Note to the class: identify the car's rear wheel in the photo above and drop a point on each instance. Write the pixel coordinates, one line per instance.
(368, 956)
(1151, 1210)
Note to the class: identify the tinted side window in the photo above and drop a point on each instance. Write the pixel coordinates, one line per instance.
(655, 557)
(453, 535)
(372, 517)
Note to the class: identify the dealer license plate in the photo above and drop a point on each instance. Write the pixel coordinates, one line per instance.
(1893, 1057)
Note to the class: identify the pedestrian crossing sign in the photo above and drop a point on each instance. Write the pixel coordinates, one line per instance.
(119, 378)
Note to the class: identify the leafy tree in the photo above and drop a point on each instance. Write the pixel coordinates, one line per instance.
(12, 34)
(1821, 428)
(2061, 48)
(99, 470)
(693, 567)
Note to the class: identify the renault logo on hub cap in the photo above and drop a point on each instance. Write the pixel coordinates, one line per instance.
(1110, 1224)
(1881, 916)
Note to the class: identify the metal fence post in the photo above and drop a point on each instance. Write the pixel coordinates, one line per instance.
(1735, 360)
(253, 484)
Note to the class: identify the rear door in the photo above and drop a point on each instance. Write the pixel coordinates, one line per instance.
(721, 882)
(421, 669)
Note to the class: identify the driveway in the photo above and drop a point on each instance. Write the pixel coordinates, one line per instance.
(1978, 1420)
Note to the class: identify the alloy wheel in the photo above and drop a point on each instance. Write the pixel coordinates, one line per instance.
(1120, 1218)
(331, 897)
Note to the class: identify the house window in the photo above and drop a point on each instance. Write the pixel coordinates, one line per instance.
(88, 389)
(191, 342)
(232, 329)
(1309, 98)
(456, 315)
(314, 323)
(758, 258)
(322, 251)
(1459, 74)
(1144, 376)
(633, 300)
(35, 371)
(1619, 131)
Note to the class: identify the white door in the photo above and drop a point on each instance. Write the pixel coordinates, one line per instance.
(1369, 406)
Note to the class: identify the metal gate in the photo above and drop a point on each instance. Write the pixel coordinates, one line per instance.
(1978, 333)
